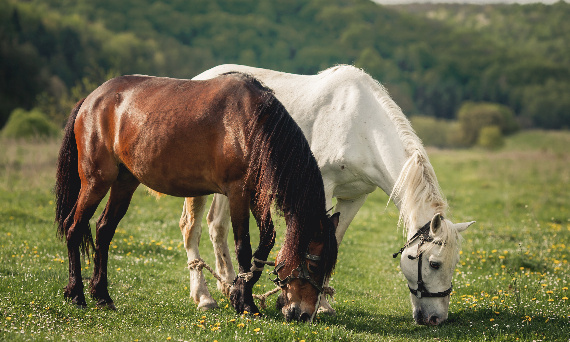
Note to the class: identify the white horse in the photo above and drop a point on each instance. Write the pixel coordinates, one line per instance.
(361, 140)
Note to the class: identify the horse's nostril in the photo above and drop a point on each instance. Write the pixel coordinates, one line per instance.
(434, 320)
(305, 317)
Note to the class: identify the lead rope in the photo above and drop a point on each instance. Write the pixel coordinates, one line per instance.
(199, 264)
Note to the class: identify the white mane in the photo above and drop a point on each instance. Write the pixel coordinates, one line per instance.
(417, 184)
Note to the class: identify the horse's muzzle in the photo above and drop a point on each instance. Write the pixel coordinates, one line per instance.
(294, 313)
(422, 319)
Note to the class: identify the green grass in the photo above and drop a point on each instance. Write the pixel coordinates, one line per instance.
(512, 281)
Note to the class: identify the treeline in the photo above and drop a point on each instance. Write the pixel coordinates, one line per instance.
(52, 52)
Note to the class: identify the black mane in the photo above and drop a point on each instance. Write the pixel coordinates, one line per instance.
(286, 173)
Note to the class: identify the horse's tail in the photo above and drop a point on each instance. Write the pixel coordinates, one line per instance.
(68, 183)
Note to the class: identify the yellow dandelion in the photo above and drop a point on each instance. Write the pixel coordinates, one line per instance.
(8, 318)
(492, 319)
(257, 329)
(564, 288)
(215, 328)
(203, 317)
(232, 320)
(549, 292)
(551, 300)
(564, 298)
(169, 338)
(241, 325)
(543, 285)
(245, 312)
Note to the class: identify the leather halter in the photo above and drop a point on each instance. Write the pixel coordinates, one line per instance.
(421, 291)
(303, 273)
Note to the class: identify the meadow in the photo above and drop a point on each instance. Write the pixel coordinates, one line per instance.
(512, 282)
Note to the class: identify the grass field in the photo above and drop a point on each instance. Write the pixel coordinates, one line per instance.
(512, 282)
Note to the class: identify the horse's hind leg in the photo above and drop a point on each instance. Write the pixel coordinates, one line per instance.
(191, 228)
(89, 198)
(219, 227)
(121, 193)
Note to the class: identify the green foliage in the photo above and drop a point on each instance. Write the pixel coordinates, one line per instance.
(433, 57)
(435, 132)
(473, 117)
(32, 124)
(491, 138)
(511, 282)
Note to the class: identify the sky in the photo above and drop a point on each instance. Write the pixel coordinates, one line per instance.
(395, 2)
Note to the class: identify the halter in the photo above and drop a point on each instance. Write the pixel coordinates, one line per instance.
(303, 271)
(421, 291)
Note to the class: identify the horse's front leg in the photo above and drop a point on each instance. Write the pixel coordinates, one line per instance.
(191, 228)
(241, 295)
(347, 209)
(266, 240)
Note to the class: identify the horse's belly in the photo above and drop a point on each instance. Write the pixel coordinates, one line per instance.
(344, 181)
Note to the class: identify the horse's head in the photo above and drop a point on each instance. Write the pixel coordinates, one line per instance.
(428, 262)
(302, 283)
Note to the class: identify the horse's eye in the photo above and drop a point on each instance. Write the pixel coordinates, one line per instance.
(312, 268)
(434, 265)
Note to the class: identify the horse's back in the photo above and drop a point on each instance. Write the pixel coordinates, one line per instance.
(342, 112)
(178, 137)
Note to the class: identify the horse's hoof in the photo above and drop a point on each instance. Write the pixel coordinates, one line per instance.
(105, 305)
(78, 300)
(326, 309)
(79, 306)
(206, 305)
(242, 299)
(250, 309)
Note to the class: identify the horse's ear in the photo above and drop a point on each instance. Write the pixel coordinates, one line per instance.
(461, 227)
(435, 223)
(335, 218)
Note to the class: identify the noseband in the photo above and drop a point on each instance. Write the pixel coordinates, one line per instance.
(303, 271)
(423, 235)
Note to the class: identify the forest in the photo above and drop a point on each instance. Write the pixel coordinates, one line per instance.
(433, 59)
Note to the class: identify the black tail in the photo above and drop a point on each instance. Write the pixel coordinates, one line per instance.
(68, 183)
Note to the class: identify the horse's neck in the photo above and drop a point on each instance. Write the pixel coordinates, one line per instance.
(417, 193)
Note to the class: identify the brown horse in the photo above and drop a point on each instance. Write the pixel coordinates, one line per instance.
(228, 135)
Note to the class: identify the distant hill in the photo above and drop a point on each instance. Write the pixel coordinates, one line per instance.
(430, 59)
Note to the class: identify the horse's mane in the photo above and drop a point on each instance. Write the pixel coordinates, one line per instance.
(285, 172)
(417, 182)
